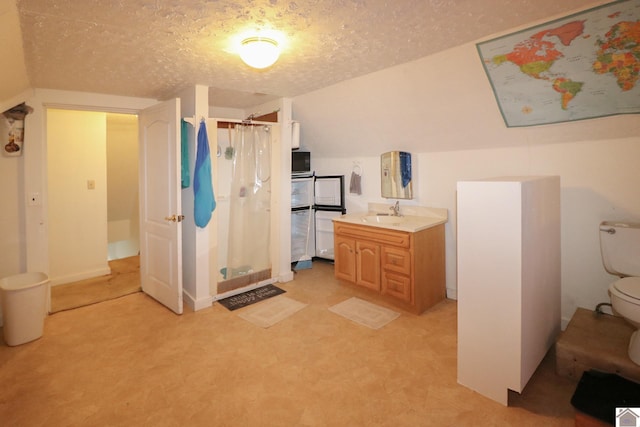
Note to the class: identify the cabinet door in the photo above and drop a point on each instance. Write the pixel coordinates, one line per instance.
(345, 258)
(397, 286)
(368, 265)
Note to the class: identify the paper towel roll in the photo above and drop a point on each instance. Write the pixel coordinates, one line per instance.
(295, 134)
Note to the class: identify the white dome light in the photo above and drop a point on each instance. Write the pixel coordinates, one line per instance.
(259, 52)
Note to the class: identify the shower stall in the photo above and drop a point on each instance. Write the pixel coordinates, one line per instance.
(244, 171)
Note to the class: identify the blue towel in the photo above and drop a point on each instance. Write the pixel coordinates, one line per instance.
(204, 203)
(184, 154)
(405, 168)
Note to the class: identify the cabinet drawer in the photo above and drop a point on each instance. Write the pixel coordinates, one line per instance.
(373, 234)
(397, 286)
(398, 260)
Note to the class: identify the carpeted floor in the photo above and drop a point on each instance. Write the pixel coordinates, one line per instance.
(123, 280)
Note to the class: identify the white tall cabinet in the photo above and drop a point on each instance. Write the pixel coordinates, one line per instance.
(508, 232)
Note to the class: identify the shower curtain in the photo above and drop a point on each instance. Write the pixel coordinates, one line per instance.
(250, 201)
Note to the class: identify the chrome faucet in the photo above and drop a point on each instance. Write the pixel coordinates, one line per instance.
(395, 209)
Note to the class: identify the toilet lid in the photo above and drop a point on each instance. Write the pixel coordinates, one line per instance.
(629, 286)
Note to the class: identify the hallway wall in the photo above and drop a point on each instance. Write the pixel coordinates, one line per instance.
(12, 228)
(77, 195)
(123, 219)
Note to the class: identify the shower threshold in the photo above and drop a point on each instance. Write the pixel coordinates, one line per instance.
(243, 281)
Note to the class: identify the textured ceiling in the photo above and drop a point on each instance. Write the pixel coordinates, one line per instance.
(156, 48)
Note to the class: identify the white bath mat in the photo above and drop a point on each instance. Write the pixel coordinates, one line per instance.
(364, 313)
(271, 311)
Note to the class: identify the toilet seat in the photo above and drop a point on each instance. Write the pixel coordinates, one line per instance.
(629, 286)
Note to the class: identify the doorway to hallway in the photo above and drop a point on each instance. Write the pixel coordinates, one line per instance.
(123, 280)
(92, 176)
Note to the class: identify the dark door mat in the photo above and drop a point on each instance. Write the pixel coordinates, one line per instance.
(251, 297)
(599, 394)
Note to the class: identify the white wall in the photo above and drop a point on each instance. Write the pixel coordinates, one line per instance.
(23, 225)
(123, 217)
(12, 240)
(197, 246)
(76, 154)
(442, 102)
(34, 176)
(597, 183)
(441, 108)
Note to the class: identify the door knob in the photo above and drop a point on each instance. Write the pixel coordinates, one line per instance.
(174, 218)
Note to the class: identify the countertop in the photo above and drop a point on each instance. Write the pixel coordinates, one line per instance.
(377, 217)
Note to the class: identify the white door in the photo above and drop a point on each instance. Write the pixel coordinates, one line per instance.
(160, 204)
(301, 192)
(324, 233)
(301, 224)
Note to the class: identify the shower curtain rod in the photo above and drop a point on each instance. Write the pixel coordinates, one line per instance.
(193, 121)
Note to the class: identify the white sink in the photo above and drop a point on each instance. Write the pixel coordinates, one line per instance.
(413, 220)
(383, 219)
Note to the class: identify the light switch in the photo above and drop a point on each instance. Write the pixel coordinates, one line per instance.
(91, 184)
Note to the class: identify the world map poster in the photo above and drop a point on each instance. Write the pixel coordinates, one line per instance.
(579, 67)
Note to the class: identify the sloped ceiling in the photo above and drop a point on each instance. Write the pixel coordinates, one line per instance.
(13, 74)
(156, 48)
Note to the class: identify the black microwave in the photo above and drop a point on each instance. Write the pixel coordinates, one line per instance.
(300, 161)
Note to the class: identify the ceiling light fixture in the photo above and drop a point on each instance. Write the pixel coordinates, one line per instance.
(259, 52)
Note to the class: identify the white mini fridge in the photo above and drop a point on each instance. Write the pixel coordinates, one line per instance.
(322, 197)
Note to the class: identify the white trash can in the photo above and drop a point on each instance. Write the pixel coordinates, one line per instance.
(24, 307)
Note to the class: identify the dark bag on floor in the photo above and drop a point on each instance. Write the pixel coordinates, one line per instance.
(599, 394)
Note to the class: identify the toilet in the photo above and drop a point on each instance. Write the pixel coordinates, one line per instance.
(620, 249)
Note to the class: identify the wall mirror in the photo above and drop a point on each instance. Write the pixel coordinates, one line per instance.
(395, 174)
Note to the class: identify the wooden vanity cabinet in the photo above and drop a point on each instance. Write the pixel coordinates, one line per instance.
(359, 262)
(396, 277)
(406, 268)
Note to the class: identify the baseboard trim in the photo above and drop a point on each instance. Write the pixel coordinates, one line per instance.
(196, 304)
(452, 293)
(286, 277)
(80, 276)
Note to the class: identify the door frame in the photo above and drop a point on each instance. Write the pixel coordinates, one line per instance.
(134, 142)
(35, 171)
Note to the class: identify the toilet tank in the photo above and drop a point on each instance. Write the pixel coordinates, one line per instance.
(620, 247)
